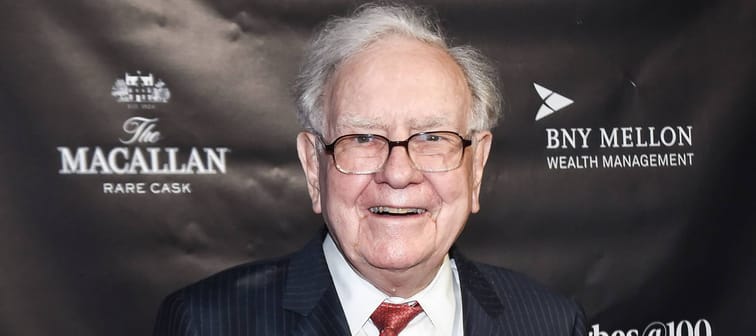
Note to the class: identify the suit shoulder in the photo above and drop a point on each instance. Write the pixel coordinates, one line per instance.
(524, 306)
(244, 299)
(256, 275)
(524, 299)
(238, 294)
(517, 286)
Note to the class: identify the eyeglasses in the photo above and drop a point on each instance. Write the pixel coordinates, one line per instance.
(429, 152)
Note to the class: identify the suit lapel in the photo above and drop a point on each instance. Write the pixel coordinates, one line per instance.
(310, 296)
(311, 299)
(482, 309)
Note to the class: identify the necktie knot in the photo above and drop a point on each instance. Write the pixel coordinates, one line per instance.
(391, 318)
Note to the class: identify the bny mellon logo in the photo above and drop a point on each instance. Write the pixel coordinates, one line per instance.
(552, 102)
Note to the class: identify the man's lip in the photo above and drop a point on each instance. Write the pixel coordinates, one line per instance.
(396, 211)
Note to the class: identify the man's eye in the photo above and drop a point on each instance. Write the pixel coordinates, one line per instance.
(363, 138)
(432, 137)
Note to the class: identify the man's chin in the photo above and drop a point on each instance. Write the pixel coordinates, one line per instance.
(396, 260)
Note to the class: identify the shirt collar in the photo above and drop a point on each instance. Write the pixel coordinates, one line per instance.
(360, 298)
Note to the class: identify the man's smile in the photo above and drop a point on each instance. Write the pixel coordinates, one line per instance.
(393, 211)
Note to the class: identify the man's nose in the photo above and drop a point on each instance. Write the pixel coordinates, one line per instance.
(398, 171)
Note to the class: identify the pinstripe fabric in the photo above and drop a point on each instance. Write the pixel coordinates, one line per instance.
(497, 301)
(295, 296)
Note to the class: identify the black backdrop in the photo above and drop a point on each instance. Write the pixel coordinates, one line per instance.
(648, 223)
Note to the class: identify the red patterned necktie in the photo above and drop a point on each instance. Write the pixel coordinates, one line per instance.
(392, 318)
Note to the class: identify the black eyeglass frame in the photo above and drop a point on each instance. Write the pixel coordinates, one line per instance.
(329, 148)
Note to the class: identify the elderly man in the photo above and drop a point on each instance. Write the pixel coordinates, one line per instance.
(397, 133)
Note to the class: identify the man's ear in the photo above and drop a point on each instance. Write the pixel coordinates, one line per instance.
(307, 149)
(481, 149)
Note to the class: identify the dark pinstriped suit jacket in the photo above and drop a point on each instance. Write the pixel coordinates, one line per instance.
(294, 295)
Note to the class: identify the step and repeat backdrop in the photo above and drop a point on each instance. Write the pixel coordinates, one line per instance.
(145, 145)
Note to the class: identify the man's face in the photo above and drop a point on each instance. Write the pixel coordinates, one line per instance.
(395, 88)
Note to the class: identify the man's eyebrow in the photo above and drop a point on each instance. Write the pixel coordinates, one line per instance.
(428, 124)
(360, 122)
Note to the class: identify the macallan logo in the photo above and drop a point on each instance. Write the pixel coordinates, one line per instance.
(131, 160)
(138, 154)
(140, 89)
(138, 160)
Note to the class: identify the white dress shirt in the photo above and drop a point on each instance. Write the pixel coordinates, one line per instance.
(441, 299)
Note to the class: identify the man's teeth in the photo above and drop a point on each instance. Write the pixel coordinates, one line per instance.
(383, 210)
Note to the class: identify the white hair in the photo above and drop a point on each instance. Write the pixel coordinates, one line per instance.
(341, 38)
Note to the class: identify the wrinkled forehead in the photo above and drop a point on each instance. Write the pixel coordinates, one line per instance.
(350, 121)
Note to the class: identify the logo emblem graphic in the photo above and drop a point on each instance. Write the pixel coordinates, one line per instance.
(552, 102)
(140, 88)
